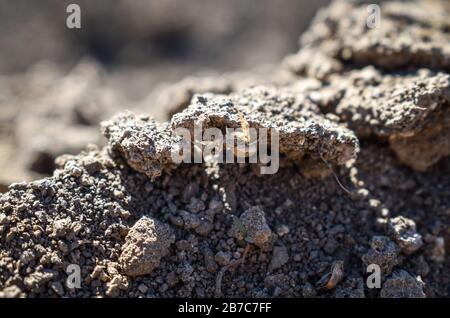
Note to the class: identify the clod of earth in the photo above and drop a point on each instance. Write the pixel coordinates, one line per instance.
(252, 227)
(384, 253)
(146, 145)
(302, 131)
(402, 285)
(146, 243)
(410, 35)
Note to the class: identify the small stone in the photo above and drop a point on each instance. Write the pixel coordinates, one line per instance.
(190, 191)
(351, 288)
(288, 203)
(58, 288)
(118, 194)
(176, 220)
(145, 244)
(116, 284)
(91, 164)
(11, 292)
(252, 227)
(61, 227)
(172, 279)
(3, 219)
(124, 214)
(38, 279)
(215, 205)
(280, 257)
(437, 252)
(333, 277)
(183, 245)
(99, 273)
(112, 269)
(282, 230)
(204, 228)
(195, 205)
(191, 221)
(222, 258)
(403, 231)
(210, 263)
(382, 252)
(27, 256)
(308, 291)
(75, 171)
(143, 288)
(402, 285)
(63, 247)
(330, 246)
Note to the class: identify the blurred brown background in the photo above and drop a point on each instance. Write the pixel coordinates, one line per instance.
(171, 37)
(56, 84)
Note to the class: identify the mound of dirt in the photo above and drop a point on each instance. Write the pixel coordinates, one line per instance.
(363, 180)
